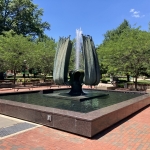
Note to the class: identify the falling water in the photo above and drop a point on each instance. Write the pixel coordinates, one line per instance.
(78, 47)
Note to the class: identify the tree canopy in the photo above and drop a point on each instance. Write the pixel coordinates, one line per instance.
(23, 17)
(111, 34)
(43, 56)
(128, 52)
(14, 49)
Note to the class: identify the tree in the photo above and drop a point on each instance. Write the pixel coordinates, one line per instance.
(112, 35)
(44, 56)
(129, 52)
(14, 49)
(23, 17)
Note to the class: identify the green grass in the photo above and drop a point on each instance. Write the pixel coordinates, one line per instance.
(144, 81)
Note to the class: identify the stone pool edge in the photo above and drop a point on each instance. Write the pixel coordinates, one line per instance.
(85, 124)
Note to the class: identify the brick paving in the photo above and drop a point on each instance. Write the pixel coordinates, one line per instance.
(132, 133)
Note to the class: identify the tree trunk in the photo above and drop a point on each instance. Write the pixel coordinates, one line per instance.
(14, 76)
(52, 73)
(128, 78)
(135, 83)
(1, 75)
(34, 75)
(23, 75)
(44, 78)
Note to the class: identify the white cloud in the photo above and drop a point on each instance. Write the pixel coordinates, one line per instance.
(136, 14)
(131, 10)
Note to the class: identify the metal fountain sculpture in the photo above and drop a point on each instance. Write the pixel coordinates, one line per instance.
(90, 75)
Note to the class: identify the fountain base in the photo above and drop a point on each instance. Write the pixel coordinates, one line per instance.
(67, 96)
(76, 80)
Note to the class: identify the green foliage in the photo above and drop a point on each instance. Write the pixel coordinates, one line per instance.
(14, 49)
(111, 34)
(22, 16)
(120, 85)
(23, 80)
(109, 37)
(128, 52)
(43, 56)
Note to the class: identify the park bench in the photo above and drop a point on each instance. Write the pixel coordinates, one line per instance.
(22, 87)
(6, 84)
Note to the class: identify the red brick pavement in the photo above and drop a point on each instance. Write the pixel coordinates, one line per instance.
(131, 134)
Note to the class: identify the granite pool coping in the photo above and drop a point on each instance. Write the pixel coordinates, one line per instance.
(83, 116)
(85, 124)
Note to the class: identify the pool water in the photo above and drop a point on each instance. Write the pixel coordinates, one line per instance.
(73, 105)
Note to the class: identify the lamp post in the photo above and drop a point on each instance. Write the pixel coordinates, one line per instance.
(24, 70)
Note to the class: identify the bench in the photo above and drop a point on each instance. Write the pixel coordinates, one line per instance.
(6, 85)
(23, 87)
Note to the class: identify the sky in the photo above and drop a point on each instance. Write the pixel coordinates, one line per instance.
(94, 17)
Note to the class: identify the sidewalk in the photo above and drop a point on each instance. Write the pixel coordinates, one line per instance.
(132, 133)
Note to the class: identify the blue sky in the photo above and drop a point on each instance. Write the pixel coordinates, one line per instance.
(95, 17)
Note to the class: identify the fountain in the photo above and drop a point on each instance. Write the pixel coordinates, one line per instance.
(90, 75)
(76, 110)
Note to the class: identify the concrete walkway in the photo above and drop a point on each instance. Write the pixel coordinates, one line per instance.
(132, 133)
(11, 126)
